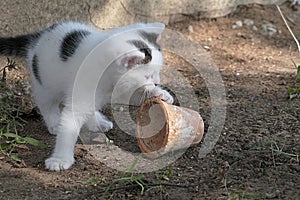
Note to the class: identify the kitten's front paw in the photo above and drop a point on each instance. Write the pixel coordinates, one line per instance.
(57, 164)
(163, 95)
(99, 123)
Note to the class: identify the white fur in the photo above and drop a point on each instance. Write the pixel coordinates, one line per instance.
(58, 79)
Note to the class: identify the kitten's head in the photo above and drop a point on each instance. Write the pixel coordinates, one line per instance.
(140, 63)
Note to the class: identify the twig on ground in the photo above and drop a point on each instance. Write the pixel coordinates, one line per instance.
(288, 27)
(134, 185)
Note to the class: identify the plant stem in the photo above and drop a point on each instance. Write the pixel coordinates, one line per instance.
(288, 27)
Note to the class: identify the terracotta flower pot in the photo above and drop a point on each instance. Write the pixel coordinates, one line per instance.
(163, 128)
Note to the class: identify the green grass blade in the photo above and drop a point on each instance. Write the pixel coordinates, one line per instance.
(11, 135)
(141, 185)
(15, 157)
(5, 146)
(34, 142)
(132, 167)
(280, 152)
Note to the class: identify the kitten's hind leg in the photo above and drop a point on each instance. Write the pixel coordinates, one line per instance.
(99, 123)
(49, 108)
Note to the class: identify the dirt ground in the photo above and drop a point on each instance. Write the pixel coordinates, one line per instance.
(257, 154)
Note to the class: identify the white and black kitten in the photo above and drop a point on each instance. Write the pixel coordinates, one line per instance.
(54, 57)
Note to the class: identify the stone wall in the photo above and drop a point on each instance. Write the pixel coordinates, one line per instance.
(19, 16)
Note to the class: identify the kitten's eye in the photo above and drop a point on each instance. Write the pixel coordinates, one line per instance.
(148, 56)
(146, 60)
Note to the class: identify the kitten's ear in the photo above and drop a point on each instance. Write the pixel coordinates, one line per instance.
(153, 31)
(131, 59)
(155, 27)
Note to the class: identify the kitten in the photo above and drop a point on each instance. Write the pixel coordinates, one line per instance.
(54, 57)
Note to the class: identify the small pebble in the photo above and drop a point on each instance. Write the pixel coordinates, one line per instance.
(272, 30)
(238, 24)
(268, 28)
(191, 29)
(254, 28)
(206, 47)
(249, 22)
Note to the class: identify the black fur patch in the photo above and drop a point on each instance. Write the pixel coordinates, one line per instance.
(143, 47)
(52, 27)
(17, 46)
(151, 37)
(35, 69)
(71, 42)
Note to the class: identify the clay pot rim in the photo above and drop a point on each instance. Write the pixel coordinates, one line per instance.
(167, 128)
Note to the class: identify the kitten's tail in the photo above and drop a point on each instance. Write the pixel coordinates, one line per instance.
(17, 46)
